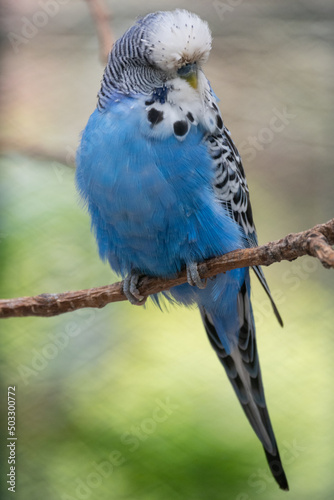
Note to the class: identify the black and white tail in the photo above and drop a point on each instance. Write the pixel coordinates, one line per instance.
(243, 370)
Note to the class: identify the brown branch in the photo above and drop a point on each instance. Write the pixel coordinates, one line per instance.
(316, 242)
(37, 151)
(102, 19)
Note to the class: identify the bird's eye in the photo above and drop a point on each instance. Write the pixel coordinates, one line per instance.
(186, 69)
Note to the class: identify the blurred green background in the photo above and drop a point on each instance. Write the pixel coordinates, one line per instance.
(131, 403)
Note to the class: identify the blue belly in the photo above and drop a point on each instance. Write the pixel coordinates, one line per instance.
(151, 200)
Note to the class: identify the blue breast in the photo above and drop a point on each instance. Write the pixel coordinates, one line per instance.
(150, 199)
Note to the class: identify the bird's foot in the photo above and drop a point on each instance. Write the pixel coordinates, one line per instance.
(131, 291)
(193, 277)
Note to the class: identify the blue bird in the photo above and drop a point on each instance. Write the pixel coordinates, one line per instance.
(165, 188)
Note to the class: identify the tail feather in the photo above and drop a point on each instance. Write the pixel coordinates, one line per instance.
(277, 471)
(243, 369)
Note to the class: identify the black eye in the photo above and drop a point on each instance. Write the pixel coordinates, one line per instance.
(186, 69)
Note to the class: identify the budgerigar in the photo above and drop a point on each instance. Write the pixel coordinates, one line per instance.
(165, 189)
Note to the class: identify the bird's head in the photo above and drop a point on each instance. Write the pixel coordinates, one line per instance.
(178, 44)
(159, 48)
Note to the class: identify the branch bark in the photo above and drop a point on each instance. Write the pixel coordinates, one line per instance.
(316, 242)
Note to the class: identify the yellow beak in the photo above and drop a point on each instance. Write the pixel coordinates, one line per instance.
(192, 80)
(188, 72)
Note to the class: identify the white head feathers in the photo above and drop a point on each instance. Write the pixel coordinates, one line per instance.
(177, 38)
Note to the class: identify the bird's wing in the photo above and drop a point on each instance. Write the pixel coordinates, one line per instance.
(230, 187)
(243, 370)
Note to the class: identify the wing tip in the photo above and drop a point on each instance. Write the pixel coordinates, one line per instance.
(277, 314)
(259, 273)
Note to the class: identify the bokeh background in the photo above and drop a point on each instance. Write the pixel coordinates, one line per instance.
(131, 403)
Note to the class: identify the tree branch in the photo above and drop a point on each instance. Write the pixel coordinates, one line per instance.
(316, 242)
(102, 19)
(38, 152)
